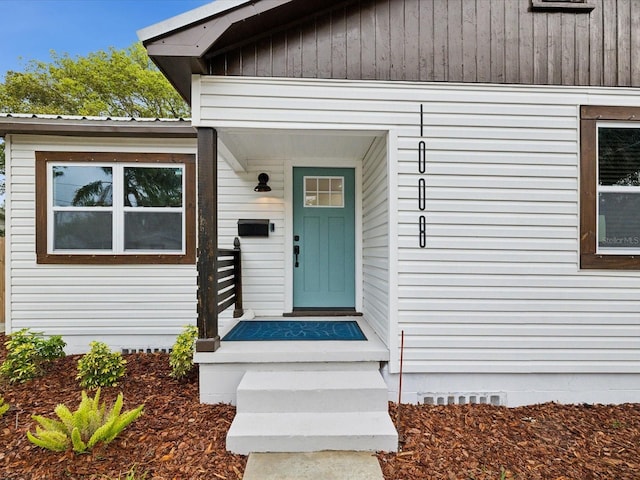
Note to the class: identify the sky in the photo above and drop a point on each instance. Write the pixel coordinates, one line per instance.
(30, 29)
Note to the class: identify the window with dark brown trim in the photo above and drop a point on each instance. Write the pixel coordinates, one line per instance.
(610, 187)
(115, 208)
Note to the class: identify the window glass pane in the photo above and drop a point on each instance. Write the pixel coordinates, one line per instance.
(152, 187)
(323, 184)
(329, 192)
(310, 185)
(324, 199)
(619, 220)
(152, 231)
(619, 156)
(82, 231)
(82, 186)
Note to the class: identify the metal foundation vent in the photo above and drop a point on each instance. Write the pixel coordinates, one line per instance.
(494, 398)
(126, 351)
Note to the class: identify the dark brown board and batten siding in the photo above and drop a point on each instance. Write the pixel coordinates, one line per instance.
(492, 41)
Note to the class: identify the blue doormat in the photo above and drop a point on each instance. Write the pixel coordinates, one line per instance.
(297, 330)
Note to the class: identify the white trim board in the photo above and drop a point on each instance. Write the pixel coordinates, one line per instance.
(288, 202)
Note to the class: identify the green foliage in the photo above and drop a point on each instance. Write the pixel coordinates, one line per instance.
(131, 474)
(28, 353)
(83, 429)
(114, 83)
(100, 367)
(181, 356)
(4, 407)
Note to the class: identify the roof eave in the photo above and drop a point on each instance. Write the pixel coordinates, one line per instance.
(96, 128)
(178, 70)
(188, 18)
(179, 45)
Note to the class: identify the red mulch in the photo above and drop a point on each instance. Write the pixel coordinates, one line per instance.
(546, 442)
(178, 438)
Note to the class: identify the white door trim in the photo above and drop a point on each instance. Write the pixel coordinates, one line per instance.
(288, 222)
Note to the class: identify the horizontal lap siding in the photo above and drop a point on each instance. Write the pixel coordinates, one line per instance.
(262, 258)
(96, 300)
(498, 287)
(375, 234)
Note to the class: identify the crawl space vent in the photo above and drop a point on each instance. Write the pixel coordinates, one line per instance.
(126, 351)
(494, 398)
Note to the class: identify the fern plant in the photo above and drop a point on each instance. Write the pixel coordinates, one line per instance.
(181, 356)
(83, 429)
(28, 354)
(3, 407)
(100, 367)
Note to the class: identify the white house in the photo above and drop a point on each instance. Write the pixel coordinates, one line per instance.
(130, 302)
(461, 173)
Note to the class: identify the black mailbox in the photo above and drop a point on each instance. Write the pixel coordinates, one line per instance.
(253, 228)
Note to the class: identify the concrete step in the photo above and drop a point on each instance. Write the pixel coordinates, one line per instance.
(320, 391)
(311, 432)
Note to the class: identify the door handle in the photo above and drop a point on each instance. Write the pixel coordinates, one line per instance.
(296, 252)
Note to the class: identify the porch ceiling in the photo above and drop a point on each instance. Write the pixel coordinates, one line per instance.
(248, 145)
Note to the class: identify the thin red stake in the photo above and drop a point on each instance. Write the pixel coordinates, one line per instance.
(400, 436)
(401, 365)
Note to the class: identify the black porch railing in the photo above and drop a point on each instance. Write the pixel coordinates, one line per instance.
(229, 291)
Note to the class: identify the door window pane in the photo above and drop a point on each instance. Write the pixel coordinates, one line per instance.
(311, 184)
(153, 231)
(323, 192)
(80, 186)
(336, 199)
(82, 231)
(324, 184)
(152, 187)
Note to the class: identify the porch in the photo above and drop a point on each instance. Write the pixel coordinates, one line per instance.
(295, 395)
(274, 275)
(222, 371)
(301, 396)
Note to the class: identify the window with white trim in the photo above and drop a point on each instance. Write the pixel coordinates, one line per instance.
(618, 189)
(115, 208)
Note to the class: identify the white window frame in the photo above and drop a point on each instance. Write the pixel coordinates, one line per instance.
(318, 177)
(117, 209)
(611, 189)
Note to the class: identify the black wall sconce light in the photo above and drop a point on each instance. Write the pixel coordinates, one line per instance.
(262, 186)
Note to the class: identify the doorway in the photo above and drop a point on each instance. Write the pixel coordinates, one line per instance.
(323, 238)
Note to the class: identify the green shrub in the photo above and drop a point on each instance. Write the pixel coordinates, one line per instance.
(28, 354)
(100, 367)
(3, 407)
(181, 356)
(130, 474)
(83, 429)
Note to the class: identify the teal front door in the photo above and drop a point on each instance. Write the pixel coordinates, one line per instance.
(323, 238)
